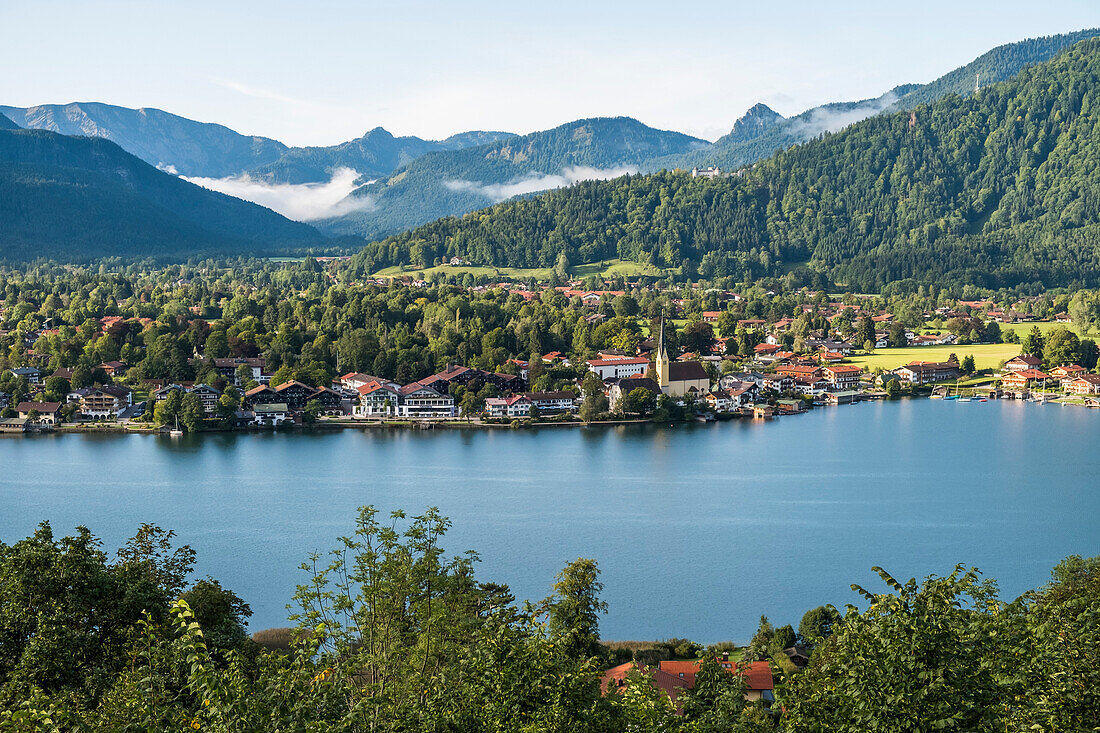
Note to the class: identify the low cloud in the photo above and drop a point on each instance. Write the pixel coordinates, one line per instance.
(536, 182)
(301, 202)
(824, 119)
(168, 168)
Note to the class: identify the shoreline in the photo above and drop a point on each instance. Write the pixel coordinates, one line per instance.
(478, 424)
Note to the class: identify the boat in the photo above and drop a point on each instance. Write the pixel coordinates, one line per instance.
(176, 432)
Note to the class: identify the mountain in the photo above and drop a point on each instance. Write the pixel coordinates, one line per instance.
(6, 124)
(378, 153)
(455, 182)
(758, 134)
(997, 189)
(762, 132)
(79, 198)
(754, 123)
(199, 149)
(1000, 64)
(159, 138)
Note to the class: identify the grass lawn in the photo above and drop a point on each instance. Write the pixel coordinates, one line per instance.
(606, 268)
(986, 356)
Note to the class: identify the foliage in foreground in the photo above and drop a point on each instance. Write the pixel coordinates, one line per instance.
(393, 635)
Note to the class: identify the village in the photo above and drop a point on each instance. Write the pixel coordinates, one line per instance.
(775, 370)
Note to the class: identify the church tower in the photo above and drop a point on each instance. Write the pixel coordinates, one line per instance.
(661, 362)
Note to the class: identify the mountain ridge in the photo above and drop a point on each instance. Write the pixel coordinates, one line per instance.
(77, 198)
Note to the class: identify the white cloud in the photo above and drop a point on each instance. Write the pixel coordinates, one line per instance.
(832, 120)
(538, 181)
(168, 168)
(301, 202)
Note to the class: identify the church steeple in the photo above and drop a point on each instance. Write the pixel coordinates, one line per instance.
(661, 362)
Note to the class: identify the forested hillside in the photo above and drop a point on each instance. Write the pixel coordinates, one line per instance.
(444, 183)
(748, 143)
(997, 189)
(78, 198)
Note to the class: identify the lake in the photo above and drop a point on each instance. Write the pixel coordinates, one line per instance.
(698, 529)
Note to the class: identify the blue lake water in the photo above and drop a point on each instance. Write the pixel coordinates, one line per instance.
(698, 529)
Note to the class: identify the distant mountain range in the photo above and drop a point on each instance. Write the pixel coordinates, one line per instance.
(998, 189)
(200, 149)
(455, 182)
(80, 198)
(403, 181)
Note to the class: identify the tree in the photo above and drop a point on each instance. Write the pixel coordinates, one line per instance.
(817, 625)
(762, 646)
(1062, 347)
(167, 411)
(1033, 342)
(575, 609)
(892, 388)
(896, 338)
(1087, 353)
(968, 364)
(784, 637)
(911, 656)
(865, 330)
(991, 333)
(716, 701)
(534, 413)
(625, 306)
(312, 412)
(191, 413)
(639, 401)
(698, 336)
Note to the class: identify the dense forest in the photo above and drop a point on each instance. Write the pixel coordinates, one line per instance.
(393, 634)
(77, 199)
(996, 189)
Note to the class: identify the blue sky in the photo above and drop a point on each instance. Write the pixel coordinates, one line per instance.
(317, 73)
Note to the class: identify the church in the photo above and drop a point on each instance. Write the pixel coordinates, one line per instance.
(677, 378)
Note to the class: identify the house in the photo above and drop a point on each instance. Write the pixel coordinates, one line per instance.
(552, 402)
(624, 387)
(227, 369)
(742, 394)
(31, 374)
(810, 386)
(721, 400)
(114, 368)
(618, 367)
(790, 406)
(378, 399)
(270, 414)
(778, 382)
(757, 676)
(1022, 362)
(208, 396)
(41, 413)
(804, 372)
(331, 401)
(1086, 384)
(259, 395)
(615, 678)
(1067, 373)
(514, 406)
(355, 380)
(105, 402)
(419, 400)
(466, 376)
(927, 372)
(1023, 379)
(711, 316)
(294, 394)
(842, 376)
(13, 425)
(842, 397)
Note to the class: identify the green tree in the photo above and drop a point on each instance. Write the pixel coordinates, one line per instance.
(968, 364)
(817, 625)
(167, 411)
(913, 655)
(1062, 347)
(575, 608)
(191, 413)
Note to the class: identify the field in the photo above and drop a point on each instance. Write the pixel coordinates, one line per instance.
(1045, 327)
(986, 356)
(605, 269)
